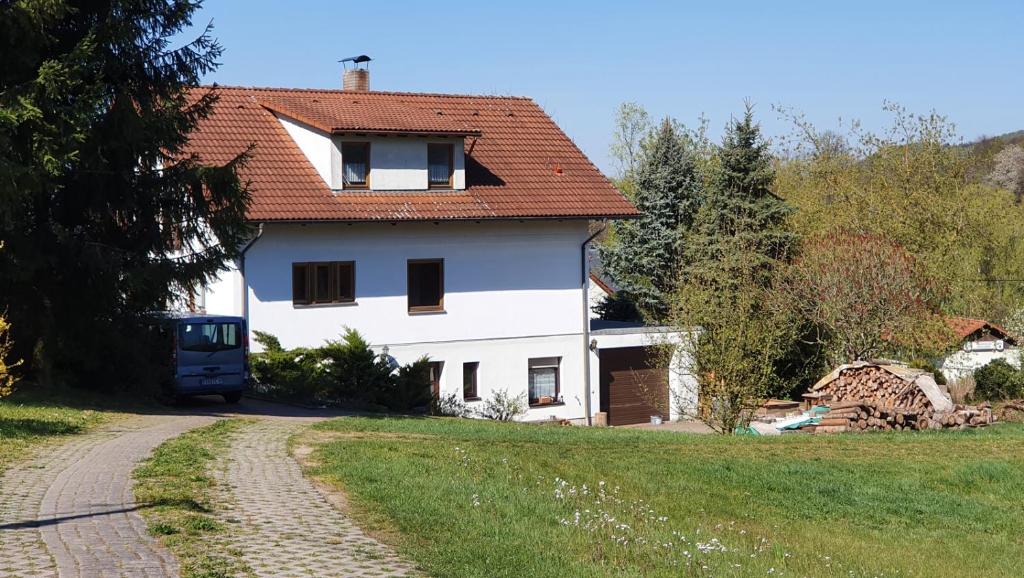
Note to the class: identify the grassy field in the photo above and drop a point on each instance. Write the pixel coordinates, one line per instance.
(177, 491)
(28, 418)
(473, 498)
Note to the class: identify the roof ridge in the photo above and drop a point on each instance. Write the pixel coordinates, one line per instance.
(371, 92)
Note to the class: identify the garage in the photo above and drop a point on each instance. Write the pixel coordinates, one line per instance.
(634, 385)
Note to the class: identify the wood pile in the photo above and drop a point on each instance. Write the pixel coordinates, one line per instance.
(866, 397)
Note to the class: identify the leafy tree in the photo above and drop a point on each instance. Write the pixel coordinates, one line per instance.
(736, 339)
(1008, 171)
(913, 185)
(98, 194)
(642, 255)
(632, 126)
(866, 296)
(998, 380)
(618, 306)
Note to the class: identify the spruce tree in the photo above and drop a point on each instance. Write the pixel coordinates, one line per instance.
(96, 192)
(741, 227)
(643, 254)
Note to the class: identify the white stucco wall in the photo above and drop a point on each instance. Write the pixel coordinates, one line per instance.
(501, 280)
(504, 365)
(963, 363)
(397, 163)
(314, 143)
(512, 292)
(223, 295)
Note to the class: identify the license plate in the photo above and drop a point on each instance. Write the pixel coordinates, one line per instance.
(211, 381)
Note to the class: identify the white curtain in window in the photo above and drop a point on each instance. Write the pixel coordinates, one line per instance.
(439, 172)
(542, 382)
(355, 172)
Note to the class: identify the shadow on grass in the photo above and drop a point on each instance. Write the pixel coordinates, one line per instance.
(26, 427)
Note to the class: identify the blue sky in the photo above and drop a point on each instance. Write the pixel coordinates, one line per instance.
(579, 60)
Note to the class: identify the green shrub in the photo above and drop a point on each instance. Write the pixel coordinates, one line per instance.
(998, 380)
(291, 375)
(342, 371)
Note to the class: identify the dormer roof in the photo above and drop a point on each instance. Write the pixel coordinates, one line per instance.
(519, 164)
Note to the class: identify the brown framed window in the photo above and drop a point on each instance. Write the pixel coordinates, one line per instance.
(544, 386)
(426, 285)
(355, 164)
(323, 282)
(440, 165)
(436, 368)
(469, 380)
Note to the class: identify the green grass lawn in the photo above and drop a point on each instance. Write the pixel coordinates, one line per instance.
(176, 490)
(32, 417)
(474, 498)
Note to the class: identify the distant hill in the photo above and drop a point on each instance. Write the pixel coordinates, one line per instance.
(994, 144)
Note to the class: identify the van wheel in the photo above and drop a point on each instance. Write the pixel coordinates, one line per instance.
(233, 397)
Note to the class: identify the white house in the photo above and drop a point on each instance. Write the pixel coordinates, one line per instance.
(981, 343)
(449, 226)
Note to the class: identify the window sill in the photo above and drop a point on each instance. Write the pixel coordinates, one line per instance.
(552, 404)
(468, 399)
(429, 312)
(323, 305)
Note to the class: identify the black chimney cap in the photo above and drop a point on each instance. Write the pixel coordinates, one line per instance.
(356, 59)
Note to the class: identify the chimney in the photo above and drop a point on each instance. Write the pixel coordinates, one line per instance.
(356, 78)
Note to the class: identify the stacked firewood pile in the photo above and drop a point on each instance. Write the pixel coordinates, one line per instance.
(865, 396)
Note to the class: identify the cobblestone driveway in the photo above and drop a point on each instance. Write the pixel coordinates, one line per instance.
(69, 511)
(284, 527)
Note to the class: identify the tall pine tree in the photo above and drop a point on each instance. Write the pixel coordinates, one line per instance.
(741, 225)
(96, 192)
(643, 254)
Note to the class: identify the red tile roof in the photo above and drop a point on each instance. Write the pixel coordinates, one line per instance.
(361, 112)
(965, 327)
(521, 166)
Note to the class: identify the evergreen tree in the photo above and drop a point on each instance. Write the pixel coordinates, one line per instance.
(642, 255)
(741, 224)
(97, 195)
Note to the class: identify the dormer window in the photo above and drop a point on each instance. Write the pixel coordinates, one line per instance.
(439, 165)
(355, 157)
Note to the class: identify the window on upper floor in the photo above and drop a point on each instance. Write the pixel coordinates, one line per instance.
(440, 166)
(323, 282)
(355, 161)
(426, 285)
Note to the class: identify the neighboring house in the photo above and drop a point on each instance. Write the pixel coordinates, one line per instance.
(447, 226)
(981, 343)
(599, 290)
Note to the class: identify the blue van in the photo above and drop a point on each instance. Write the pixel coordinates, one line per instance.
(211, 356)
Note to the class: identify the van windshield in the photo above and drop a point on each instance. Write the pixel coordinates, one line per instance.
(209, 336)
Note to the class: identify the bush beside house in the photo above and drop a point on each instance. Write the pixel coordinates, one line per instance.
(997, 381)
(340, 372)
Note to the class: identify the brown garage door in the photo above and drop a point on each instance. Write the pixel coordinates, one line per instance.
(630, 381)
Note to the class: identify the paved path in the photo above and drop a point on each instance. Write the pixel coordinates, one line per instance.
(282, 525)
(69, 512)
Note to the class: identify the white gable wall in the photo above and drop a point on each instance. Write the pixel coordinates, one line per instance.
(313, 143)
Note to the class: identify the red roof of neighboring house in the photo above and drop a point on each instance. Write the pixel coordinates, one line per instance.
(600, 283)
(520, 166)
(965, 327)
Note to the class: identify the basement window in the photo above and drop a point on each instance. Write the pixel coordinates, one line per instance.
(323, 282)
(469, 380)
(439, 165)
(543, 380)
(426, 285)
(355, 164)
